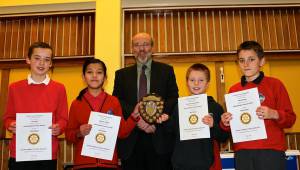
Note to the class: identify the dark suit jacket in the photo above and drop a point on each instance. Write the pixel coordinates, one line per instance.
(163, 83)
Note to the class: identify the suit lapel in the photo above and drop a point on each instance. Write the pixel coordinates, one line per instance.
(132, 81)
(153, 78)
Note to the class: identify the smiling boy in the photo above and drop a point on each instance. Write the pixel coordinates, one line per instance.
(37, 94)
(276, 110)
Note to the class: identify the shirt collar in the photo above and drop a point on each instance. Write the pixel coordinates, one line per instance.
(45, 81)
(89, 96)
(148, 64)
(255, 81)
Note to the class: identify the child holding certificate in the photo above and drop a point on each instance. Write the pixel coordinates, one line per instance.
(276, 111)
(198, 153)
(94, 98)
(37, 94)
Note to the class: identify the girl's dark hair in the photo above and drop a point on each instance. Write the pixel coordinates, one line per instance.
(86, 63)
(251, 45)
(198, 67)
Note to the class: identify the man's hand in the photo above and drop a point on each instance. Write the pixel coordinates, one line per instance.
(162, 118)
(146, 127)
(150, 129)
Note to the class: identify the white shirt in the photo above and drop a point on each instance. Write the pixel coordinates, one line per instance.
(45, 81)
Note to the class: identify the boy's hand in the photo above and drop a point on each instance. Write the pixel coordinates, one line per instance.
(264, 112)
(12, 127)
(84, 130)
(225, 118)
(55, 129)
(208, 120)
(162, 118)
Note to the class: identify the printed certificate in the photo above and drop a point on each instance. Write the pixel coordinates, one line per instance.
(191, 111)
(101, 141)
(245, 124)
(33, 136)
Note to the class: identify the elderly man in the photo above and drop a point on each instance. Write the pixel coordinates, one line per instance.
(148, 147)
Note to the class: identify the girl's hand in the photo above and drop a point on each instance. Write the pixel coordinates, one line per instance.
(85, 130)
(225, 118)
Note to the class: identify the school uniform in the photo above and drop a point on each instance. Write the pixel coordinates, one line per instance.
(273, 94)
(28, 96)
(197, 154)
(79, 114)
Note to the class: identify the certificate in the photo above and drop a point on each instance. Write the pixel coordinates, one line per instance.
(245, 124)
(100, 142)
(33, 136)
(191, 111)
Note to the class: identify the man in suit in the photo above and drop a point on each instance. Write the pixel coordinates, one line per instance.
(148, 147)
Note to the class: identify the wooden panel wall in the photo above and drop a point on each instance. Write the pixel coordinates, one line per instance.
(214, 30)
(68, 34)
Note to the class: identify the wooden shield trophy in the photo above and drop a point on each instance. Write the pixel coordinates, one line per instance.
(151, 108)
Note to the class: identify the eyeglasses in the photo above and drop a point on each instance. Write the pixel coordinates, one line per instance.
(141, 45)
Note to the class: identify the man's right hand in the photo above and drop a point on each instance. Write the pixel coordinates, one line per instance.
(146, 127)
(12, 127)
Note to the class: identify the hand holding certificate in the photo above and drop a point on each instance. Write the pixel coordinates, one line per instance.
(33, 136)
(191, 111)
(245, 124)
(100, 142)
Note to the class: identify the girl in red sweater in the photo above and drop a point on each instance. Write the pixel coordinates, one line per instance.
(94, 98)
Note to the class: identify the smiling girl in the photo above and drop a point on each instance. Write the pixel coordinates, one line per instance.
(94, 98)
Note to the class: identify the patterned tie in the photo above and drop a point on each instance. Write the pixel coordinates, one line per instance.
(143, 83)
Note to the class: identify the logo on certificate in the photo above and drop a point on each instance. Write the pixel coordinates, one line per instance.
(100, 137)
(245, 118)
(193, 119)
(33, 138)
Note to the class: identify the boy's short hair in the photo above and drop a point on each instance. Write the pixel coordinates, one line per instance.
(251, 45)
(198, 67)
(39, 45)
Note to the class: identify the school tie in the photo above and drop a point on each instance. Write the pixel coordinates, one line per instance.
(143, 83)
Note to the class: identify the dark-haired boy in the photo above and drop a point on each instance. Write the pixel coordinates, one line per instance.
(37, 94)
(276, 111)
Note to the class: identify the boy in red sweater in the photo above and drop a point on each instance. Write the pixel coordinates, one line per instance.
(276, 111)
(37, 94)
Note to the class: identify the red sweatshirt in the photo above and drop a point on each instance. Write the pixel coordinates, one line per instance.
(25, 98)
(274, 95)
(79, 114)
